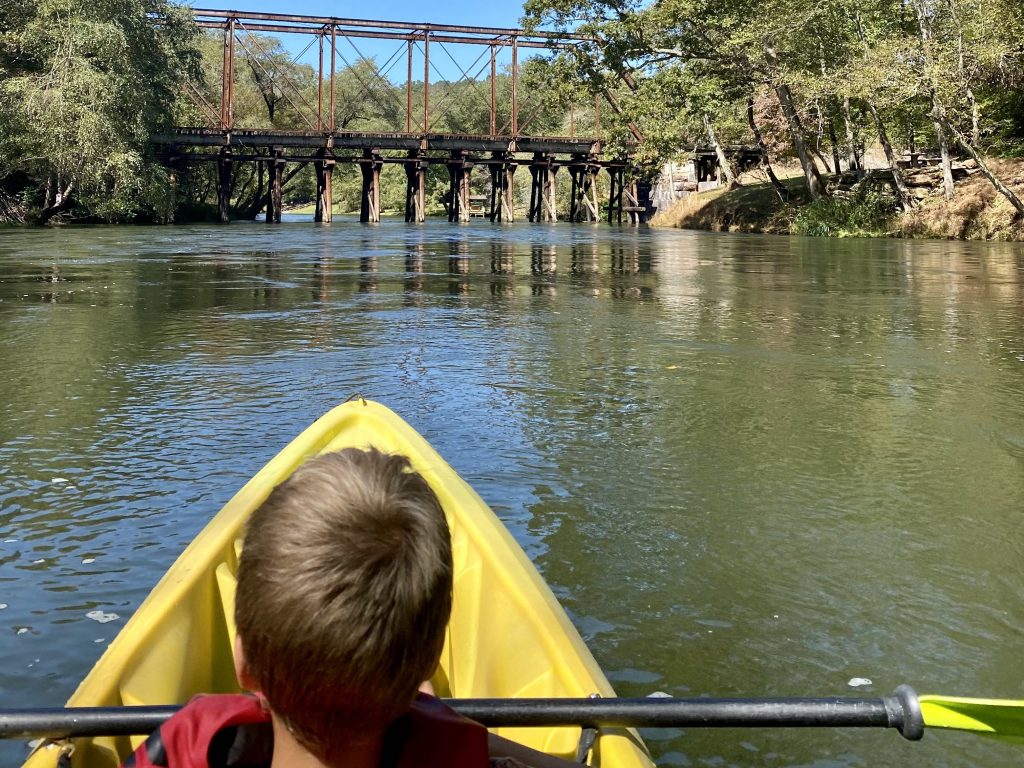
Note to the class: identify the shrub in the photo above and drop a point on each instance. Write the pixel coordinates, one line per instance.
(868, 214)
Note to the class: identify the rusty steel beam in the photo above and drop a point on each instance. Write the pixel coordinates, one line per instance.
(426, 81)
(515, 86)
(408, 92)
(381, 24)
(614, 103)
(494, 92)
(320, 88)
(334, 54)
(378, 35)
(224, 81)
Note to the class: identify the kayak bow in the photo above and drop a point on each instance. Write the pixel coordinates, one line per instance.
(508, 637)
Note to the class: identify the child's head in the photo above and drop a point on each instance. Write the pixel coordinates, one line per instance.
(344, 593)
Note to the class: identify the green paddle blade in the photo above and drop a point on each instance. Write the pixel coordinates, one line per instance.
(999, 717)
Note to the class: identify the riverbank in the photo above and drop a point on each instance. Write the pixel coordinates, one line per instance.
(977, 211)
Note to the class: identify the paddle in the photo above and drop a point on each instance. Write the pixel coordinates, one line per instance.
(999, 717)
(903, 711)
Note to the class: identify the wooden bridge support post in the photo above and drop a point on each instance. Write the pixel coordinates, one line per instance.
(615, 196)
(415, 188)
(494, 209)
(590, 192)
(324, 193)
(458, 189)
(550, 197)
(501, 188)
(535, 171)
(583, 200)
(276, 167)
(576, 174)
(633, 210)
(369, 208)
(508, 171)
(224, 185)
(464, 192)
(541, 187)
(638, 196)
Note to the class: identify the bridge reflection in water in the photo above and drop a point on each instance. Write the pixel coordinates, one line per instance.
(501, 150)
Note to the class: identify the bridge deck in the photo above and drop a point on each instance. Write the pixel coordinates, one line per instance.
(241, 138)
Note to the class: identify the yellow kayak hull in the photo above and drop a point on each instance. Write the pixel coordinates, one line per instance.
(508, 636)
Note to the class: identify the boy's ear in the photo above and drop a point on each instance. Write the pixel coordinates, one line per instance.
(245, 679)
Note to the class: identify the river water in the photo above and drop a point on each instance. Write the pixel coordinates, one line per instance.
(747, 465)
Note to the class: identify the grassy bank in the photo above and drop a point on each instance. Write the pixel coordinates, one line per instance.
(977, 211)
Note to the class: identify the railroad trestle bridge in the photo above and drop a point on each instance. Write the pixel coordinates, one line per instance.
(506, 146)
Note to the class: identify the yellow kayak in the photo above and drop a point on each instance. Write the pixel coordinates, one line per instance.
(508, 636)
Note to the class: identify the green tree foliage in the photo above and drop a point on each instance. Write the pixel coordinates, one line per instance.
(933, 72)
(84, 85)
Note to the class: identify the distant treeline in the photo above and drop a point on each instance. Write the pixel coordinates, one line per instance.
(84, 86)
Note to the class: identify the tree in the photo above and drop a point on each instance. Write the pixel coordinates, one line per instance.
(86, 86)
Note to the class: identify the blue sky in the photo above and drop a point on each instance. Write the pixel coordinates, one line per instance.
(471, 12)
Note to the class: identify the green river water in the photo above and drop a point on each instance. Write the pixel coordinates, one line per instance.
(747, 465)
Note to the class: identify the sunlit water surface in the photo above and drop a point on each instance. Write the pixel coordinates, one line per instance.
(746, 465)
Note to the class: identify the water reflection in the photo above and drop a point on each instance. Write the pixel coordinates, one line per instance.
(368, 274)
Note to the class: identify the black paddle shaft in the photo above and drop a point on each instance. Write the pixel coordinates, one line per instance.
(900, 711)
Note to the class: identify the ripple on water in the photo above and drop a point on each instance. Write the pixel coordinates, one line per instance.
(746, 465)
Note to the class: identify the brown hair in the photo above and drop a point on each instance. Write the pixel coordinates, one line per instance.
(344, 593)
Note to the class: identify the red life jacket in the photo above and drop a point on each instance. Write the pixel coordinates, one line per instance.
(221, 731)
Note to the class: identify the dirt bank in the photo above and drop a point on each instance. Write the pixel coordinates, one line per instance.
(977, 212)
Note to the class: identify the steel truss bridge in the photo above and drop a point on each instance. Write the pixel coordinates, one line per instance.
(505, 147)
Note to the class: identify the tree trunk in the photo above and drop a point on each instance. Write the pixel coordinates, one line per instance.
(778, 186)
(252, 207)
(947, 166)
(851, 139)
(815, 187)
(723, 161)
(814, 184)
(836, 162)
(975, 118)
(61, 203)
(924, 27)
(831, 123)
(901, 188)
(821, 157)
(1005, 191)
(820, 136)
(962, 70)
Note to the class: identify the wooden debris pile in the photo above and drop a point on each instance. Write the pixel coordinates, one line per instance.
(926, 181)
(921, 181)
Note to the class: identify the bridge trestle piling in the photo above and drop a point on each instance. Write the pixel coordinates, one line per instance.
(543, 202)
(275, 188)
(224, 185)
(324, 212)
(583, 196)
(459, 170)
(503, 167)
(415, 187)
(370, 165)
(283, 155)
(615, 195)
